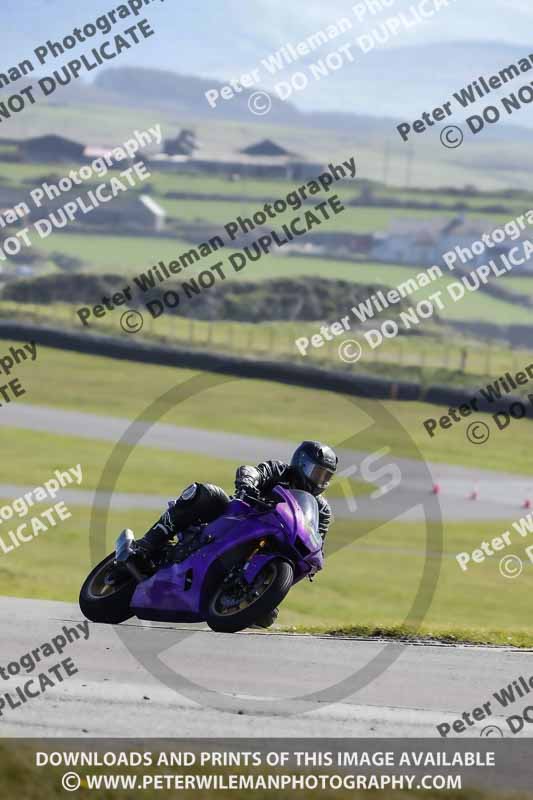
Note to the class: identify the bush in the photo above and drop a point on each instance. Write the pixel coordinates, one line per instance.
(65, 288)
(283, 299)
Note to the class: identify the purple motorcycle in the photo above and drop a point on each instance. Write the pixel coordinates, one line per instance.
(231, 574)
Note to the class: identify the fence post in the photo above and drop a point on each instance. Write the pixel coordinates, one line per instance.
(464, 359)
(334, 344)
(487, 367)
(446, 359)
(400, 351)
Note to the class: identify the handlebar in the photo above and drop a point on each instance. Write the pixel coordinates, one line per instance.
(256, 501)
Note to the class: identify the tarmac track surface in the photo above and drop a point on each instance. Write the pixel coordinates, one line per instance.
(113, 695)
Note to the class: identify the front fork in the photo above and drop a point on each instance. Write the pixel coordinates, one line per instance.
(256, 561)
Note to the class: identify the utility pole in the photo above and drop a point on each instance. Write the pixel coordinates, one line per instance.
(386, 162)
(409, 166)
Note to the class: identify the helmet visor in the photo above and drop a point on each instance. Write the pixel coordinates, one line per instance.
(317, 475)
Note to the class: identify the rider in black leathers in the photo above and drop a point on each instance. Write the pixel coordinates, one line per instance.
(311, 468)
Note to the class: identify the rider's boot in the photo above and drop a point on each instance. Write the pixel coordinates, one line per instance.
(139, 554)
(154, 540)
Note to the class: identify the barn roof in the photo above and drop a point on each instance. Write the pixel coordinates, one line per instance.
(51, 140)
(266, 147)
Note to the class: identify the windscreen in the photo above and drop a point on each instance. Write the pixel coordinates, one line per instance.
(309, 508)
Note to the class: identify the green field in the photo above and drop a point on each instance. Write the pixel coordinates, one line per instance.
(263, 189)
(351, 220)
(521, 285)
(125, 255)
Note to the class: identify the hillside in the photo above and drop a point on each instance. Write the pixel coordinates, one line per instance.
(155, 88)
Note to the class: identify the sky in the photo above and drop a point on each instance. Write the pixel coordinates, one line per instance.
(226, 37)
(222, 39)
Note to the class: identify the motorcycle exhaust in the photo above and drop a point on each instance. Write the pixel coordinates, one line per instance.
(124, 551)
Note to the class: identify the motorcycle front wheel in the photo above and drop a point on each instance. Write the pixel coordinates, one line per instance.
(232, 608)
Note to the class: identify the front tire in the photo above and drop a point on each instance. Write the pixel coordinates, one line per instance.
(227, 613)
(102, 601)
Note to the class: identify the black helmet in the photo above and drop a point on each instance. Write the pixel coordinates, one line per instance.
(314, 465)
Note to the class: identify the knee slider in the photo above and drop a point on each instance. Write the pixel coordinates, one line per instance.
(189, 493)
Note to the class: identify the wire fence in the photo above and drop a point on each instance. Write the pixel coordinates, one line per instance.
(422, 355)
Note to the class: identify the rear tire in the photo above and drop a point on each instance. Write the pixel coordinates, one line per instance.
(102, 602)
(277, 577)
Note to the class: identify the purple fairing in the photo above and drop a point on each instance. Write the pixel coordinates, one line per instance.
(180, 592)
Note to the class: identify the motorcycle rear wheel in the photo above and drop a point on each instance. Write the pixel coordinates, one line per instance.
(271, 586)
(100, 601)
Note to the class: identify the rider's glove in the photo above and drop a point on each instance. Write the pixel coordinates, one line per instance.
(243, 489)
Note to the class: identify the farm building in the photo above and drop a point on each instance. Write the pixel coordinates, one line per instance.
(136, 213)
(50, 149)
(422, 242)
(265, 159)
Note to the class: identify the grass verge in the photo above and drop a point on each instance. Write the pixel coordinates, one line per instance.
(404, 633)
